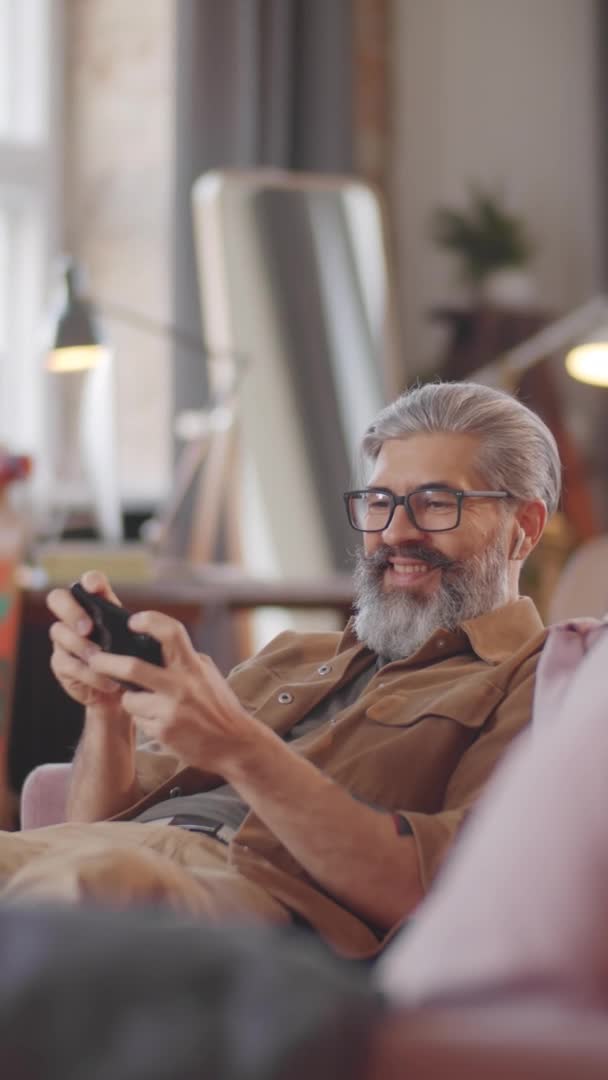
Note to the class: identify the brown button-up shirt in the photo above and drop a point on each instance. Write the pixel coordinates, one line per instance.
(422, 738)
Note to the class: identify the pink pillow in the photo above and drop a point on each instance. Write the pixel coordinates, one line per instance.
(524, 895)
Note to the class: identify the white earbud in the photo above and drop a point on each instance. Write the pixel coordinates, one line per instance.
(519, 543)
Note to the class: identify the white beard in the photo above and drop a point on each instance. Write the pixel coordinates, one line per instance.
(396, 624)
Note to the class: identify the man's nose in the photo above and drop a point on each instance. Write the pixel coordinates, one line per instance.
(400, 528)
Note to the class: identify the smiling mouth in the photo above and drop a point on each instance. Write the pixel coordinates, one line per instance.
(407, 567)
(409, 573)
(411, 568)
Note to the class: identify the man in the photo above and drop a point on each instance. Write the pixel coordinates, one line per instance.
(326, 778)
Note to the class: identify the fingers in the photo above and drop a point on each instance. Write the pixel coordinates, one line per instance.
(72, 641)
(130, 669)
(69, 669)
(171, 634)
(66, 608)
(96, 582)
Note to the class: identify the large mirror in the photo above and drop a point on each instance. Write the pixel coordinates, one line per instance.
(295, 278)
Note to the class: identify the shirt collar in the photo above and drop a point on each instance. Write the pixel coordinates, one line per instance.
(497, 634)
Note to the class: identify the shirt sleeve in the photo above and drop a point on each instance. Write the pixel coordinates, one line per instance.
(435, 833)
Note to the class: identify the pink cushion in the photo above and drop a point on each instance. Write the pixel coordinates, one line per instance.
(44, 795)
(524, 895)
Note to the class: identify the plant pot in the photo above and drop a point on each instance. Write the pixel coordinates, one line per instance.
(511, 287)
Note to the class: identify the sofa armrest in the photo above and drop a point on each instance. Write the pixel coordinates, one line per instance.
(44, 796)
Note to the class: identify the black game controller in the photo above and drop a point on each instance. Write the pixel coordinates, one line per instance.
(111, 632)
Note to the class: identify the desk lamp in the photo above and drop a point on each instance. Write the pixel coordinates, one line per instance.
(76, 342)
(583, 332)
(78, 353)
(79, 464)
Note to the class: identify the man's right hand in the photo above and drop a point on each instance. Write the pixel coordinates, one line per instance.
(72, 649)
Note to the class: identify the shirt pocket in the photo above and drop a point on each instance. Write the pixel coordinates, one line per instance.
(468, 707)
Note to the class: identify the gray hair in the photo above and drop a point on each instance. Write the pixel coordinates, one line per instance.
(517, 451)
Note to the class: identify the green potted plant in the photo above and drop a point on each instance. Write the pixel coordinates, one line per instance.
(493, 245)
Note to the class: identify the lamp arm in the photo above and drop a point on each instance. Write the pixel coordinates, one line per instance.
(166, 330)
(508, 367)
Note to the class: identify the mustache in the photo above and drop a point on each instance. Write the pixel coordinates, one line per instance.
(380, 559)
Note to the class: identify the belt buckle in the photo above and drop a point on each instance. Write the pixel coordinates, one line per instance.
(186, 821)
(192, 823)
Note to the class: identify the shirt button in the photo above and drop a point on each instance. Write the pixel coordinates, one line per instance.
(175, 792)
(324, 669)
(285, 698)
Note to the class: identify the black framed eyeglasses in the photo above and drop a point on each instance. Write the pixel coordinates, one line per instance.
(430, 509)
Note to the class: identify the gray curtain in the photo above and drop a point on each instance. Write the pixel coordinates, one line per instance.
(259, 82)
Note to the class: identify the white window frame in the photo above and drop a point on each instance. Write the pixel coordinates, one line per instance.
(30, 204)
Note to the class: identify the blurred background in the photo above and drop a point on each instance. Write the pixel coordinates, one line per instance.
(109, 112)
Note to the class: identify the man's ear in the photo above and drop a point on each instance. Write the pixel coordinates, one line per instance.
(529, 525)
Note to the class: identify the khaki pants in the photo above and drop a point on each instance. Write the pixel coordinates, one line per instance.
(124, 864)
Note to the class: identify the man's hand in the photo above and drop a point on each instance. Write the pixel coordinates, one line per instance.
(187, 706)
(102, 778)
(72, 651)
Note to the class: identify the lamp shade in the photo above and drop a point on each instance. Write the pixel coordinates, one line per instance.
(75, 337)
(588, 362)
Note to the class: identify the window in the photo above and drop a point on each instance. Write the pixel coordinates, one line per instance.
(30, 74)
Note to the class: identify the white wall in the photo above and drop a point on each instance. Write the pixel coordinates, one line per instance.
(499, 92)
